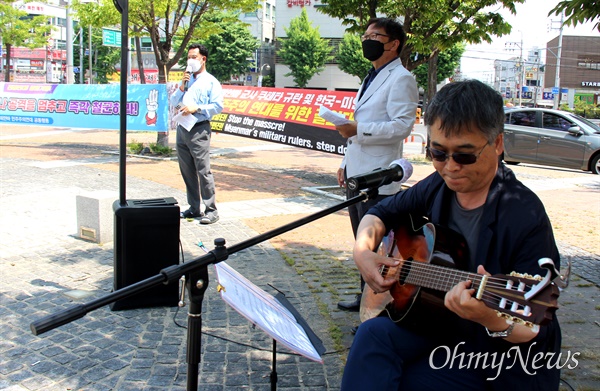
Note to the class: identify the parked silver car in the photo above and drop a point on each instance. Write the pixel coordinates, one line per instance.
(551, 137)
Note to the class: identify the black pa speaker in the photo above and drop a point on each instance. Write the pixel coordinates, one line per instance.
(146, 241)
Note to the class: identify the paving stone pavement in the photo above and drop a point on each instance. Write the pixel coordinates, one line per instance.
(43, 261)
(45, 267)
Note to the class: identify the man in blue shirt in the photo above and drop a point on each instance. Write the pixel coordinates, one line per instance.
(200, 95)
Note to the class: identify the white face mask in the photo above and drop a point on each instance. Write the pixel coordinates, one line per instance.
(193, 65)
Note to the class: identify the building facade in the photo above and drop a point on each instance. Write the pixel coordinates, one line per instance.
(579, 71)
(521, 81)
(262, 27)
(43, 65)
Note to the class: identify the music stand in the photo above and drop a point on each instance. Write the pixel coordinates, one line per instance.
(275, 316)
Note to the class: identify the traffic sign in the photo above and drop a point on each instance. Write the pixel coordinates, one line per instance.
(111, 37)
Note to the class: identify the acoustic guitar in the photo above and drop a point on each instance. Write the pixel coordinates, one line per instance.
(427, 261)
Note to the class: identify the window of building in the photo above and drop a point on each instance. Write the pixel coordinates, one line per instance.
(146, 44)
(589, 63)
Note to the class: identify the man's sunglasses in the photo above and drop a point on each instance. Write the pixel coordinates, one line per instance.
(460, 158)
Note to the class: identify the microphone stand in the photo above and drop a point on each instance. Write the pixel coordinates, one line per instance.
(196, 277)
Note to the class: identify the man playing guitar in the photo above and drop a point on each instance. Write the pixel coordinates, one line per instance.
(465, 343)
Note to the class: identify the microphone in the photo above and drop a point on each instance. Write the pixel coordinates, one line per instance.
(188, 70)
(398, 170)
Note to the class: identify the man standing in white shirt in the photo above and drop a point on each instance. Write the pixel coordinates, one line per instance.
(201, 95)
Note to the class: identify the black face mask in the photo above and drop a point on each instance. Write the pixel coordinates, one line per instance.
(372, 49)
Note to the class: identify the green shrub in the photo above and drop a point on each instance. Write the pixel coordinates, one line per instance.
(583, 109)
(161, 150)
(135, 147)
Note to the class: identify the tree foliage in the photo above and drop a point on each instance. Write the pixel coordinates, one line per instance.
(447, 62)
(229, 47)
(579, 11)
(304, 51)
(350, 57)
(164, 21)
(17, 29)
(432, 26)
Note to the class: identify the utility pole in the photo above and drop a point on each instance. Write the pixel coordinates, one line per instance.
(520, 68)
(69, 44)
(537, 79)
(558, 55)
(80, 55)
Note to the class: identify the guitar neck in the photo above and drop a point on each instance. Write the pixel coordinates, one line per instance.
(439, 278)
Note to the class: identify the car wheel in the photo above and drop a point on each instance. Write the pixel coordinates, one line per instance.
(595, 166)
(512, 163)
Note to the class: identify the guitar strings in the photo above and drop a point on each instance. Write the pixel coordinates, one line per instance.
(457, 275)
(420, 272)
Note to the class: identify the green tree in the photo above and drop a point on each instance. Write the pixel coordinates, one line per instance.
(578, 11)
(304, 51)
(448, 61)
(350, 57)
(229, 47)
(164, 21)
(17, 28)
(269, 80)
(94, 14)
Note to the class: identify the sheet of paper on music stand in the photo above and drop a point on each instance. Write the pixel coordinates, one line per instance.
(187, 121)
(332, 116)
(264, 311)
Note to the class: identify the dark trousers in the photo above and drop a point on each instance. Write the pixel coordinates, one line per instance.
(385, 356)
(193, 153)
(358, 211)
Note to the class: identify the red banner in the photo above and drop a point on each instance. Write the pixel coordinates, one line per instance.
(285, 116)
(54, 54)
